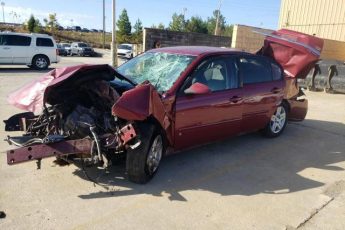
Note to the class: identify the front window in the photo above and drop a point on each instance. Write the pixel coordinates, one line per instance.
(160, 69)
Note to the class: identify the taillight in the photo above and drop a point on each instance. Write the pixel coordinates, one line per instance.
(57, 52)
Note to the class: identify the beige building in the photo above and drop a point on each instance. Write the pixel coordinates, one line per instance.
(324, 18)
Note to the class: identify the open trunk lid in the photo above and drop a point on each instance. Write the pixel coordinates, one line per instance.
(296, 52)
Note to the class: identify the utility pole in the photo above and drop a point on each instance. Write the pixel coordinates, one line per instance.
(103, 19)
(218, 14)
(113, 39)
(3, 12)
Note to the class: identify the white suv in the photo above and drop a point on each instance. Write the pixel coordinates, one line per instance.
(34, 50)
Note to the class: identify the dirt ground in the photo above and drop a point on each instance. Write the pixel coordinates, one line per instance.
(247, 182)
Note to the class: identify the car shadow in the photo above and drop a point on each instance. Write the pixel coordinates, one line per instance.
(245, 165)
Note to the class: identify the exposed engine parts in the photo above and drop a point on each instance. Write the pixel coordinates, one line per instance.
(77, 121)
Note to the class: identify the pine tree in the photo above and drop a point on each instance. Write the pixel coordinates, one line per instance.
(124, 24)
(138, 27)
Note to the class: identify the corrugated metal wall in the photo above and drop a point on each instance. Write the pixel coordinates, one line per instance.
(324, 18)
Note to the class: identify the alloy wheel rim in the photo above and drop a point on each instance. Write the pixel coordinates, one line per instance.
(155, 154)
(278, 120)
(41, 62)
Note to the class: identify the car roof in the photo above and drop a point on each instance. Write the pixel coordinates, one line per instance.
(196, 50)
(26, 34)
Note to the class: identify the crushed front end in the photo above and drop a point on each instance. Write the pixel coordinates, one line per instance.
(74, 117)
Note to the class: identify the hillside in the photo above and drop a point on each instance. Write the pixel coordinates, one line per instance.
(93, 38)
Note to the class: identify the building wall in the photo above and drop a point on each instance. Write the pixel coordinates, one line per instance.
(333, 50)
(244, 38)
(324, 18)
(175, 38)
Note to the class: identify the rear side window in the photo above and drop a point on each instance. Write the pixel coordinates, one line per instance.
(276, 72)
(47, 42)
(255, 70)
(15, 40)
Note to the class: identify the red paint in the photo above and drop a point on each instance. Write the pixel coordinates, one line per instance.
(140, 103)
(296, 52)
(36, 152)
(298, 109)
(32, 96)
(127, 133)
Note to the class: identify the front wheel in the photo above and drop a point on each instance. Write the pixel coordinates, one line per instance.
(143, 162)
(277, 123)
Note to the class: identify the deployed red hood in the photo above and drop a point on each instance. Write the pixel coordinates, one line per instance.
(32, 96)
(296, 52)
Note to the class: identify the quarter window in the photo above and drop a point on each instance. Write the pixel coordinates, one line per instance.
(47, 42)
(255, 70)
(276, 72)
(15, 40)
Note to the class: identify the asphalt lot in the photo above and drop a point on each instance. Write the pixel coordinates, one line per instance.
(247, 182)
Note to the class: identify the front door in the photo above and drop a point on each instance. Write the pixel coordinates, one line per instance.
(204, 118)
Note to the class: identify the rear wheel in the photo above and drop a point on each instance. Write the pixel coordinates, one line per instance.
(277, 123)
(143, 162)
(40, 62)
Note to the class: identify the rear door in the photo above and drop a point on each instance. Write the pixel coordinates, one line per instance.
(204, 118)
(263, 90)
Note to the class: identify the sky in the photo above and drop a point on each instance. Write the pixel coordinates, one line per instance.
(88, 13)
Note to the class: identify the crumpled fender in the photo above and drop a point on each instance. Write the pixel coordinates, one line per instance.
(32, 96)
(140, 103)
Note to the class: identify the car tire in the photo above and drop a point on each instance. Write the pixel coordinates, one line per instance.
(142, 163)
(40, 62)
(278, 122)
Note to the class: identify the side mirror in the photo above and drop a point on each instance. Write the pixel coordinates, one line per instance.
(197, 89)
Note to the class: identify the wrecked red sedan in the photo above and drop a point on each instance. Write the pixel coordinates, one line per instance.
(160, 102)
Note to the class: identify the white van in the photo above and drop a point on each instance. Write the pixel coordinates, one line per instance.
(34, 50)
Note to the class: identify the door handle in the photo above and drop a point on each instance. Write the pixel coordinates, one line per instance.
(6, 48)
(235, 99)
(275, 90)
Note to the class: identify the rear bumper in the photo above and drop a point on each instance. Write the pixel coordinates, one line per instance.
(298, 109)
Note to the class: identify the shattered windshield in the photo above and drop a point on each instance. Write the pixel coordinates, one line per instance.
(160, 69)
